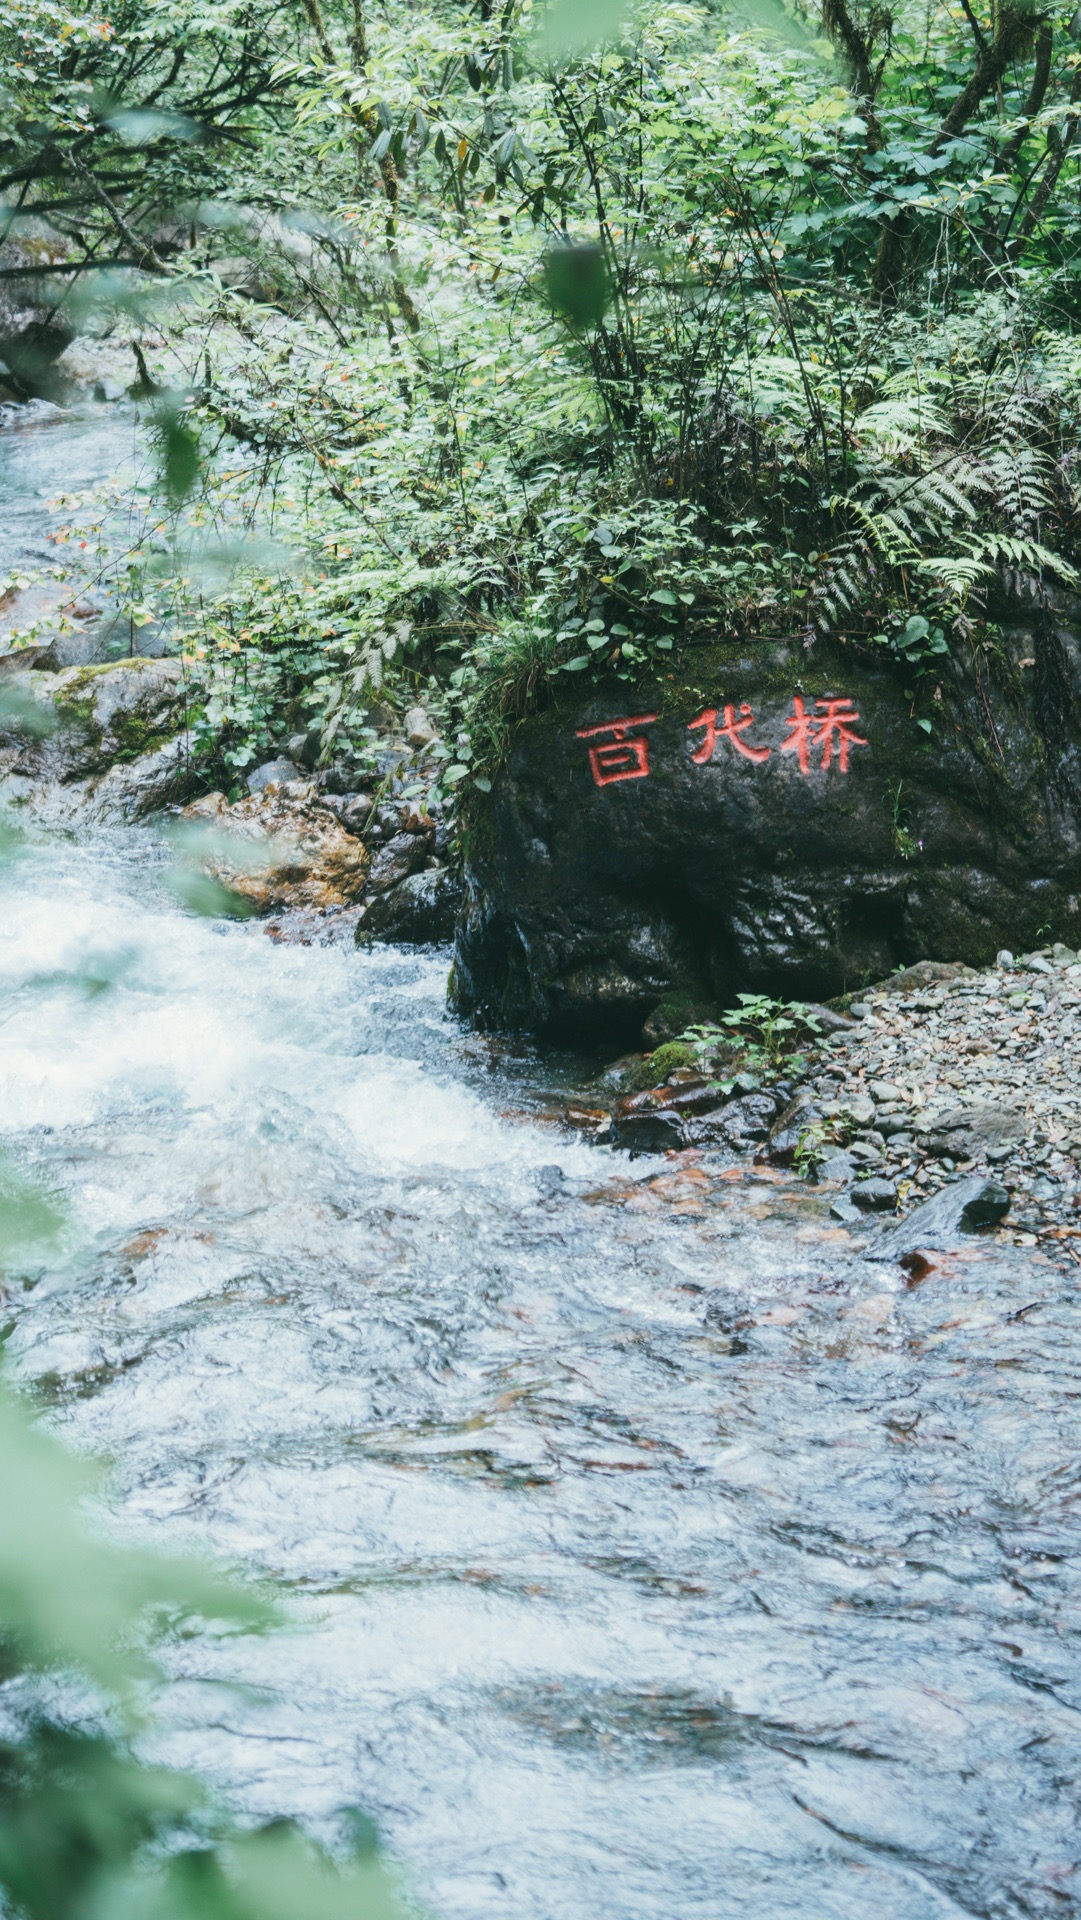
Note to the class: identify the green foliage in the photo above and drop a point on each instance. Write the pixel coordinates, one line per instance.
(29, 1219)
(812, 1148)
(570, 338)
(178, 444)
(759, 1030)
(770, 1022)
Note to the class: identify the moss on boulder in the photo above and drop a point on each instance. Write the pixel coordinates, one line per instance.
(107, 740)
(657, 1066)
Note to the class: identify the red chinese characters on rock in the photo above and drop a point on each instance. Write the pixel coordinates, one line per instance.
(731, 731)
(618, 749)
(829, 727)
(621, 757)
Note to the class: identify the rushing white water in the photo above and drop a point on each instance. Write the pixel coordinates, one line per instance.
(653, 1552)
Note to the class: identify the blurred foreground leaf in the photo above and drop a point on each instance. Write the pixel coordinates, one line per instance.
(572, 26)
(204, 895)
(178, 447)
(24, 716)
(87, 1831)
(577, 283)
(139, 125)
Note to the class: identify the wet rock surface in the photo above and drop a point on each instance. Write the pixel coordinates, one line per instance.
(420, 911)
(964, 1207)
(103, 742)
(292, 849)
(954, 1086)
(278, 849)
(676, 864)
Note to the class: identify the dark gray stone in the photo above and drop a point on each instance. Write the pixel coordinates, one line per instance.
(743, 1123)
(789, 1129)
(354, 810)
(843, 1210)
(304, 748)
(650, 1131)
(940, 1222)
(587, 905)
(963, 1132)
(396, 859)
(835, 1165)
(419, 912)
(875, 1196)
(273, 773)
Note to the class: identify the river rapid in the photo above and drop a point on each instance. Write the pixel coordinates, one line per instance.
(653, 1552)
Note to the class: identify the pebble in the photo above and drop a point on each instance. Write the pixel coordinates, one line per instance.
(946, 1076)
(875, 1195)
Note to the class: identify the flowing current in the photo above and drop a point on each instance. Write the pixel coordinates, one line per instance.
(651, 1551)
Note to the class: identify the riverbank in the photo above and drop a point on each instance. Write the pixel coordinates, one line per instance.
(952, 1071)
(940, 1073)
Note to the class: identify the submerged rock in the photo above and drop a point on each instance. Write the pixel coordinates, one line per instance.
(640, 846)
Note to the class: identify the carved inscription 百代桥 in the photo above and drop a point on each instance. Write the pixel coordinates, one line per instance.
(820, 739)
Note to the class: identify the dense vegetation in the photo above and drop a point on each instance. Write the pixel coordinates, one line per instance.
(521, 343)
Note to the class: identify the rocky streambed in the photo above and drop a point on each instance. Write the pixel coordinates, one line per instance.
(939, 1074)
(110, 743)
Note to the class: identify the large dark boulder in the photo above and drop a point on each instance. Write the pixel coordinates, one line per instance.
(596, 887)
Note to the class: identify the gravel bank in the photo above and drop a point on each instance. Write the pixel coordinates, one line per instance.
(950, 1071)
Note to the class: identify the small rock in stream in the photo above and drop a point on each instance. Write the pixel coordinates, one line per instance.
(651, 1131)
(964, 1207)
(875, 1195)
(550, 1181)
(843, 1210)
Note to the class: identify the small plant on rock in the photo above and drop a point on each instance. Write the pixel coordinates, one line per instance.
(769, 1022)
(752, 1038)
